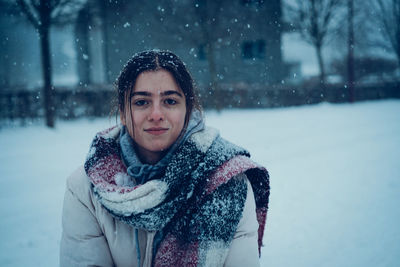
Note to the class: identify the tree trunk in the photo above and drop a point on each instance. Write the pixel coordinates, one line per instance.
(397, 29)
(396, 14)
(44, 10)
(48, 89)
(321, 66)
(350, 57)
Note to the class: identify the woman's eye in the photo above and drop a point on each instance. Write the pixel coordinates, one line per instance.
(140, 103)
(170, 101)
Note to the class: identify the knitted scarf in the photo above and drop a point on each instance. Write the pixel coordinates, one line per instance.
(197, 203)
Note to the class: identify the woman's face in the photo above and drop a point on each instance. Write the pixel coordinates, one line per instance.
(155, 114)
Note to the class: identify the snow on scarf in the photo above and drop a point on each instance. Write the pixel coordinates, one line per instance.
(196, 204)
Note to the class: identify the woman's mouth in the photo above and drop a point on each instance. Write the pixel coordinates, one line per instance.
(156, 130)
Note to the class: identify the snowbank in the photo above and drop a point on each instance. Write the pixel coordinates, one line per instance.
(335, 182)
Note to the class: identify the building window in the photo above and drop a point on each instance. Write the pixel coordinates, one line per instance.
(253, 49)
(247, 50)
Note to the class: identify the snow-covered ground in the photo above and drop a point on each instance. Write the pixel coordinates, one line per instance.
(335, 182)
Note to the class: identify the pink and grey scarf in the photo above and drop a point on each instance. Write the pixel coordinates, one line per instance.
(196, 204)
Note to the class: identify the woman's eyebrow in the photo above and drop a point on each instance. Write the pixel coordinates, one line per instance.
(171, 92)
(140, 93)
(165, 93)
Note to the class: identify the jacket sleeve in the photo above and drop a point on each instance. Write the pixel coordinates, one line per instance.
(82, 241)
(244, 247)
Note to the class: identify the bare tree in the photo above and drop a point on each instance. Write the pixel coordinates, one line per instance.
(361, 34)
(42, 14)
(388, 18)
(314, 19)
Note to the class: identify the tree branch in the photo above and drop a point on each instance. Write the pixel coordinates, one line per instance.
(35, 4)
(28, 13)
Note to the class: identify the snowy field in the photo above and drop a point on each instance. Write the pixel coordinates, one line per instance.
(335, 182)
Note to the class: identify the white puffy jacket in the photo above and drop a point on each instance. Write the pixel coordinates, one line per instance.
(92, 237)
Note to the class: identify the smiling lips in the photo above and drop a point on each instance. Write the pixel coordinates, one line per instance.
(156, 130)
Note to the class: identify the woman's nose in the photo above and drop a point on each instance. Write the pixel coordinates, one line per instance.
(156, 113)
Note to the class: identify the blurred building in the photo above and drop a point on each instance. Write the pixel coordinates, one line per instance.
(225, 41)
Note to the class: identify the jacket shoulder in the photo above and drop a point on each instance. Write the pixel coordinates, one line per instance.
(79, 185)
(82, 242)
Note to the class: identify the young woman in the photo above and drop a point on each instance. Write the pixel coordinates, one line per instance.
(162, 189)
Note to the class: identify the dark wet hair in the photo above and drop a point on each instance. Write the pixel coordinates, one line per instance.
(154, 60)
